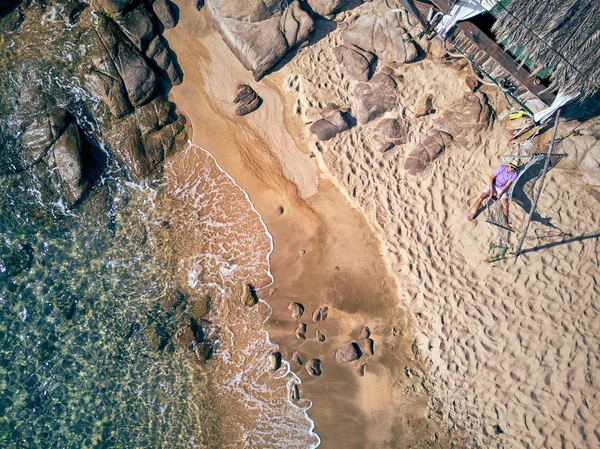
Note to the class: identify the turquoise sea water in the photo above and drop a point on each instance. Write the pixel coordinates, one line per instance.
(79, 294)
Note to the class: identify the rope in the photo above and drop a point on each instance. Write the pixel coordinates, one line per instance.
(539, 192)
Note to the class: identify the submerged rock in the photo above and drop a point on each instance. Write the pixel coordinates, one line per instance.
(15, 261)
(348, 353)
(247, 100)
(155, 336)
(249, 297)
(313, 367)
(184, 337)
(198, 307)
(329, 127)
(202, 351)
(297, 310)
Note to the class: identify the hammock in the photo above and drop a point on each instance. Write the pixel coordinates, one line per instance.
(528, 155)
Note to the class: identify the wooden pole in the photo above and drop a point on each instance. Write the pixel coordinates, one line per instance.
(537, 196)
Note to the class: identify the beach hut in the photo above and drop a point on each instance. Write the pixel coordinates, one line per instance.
(541, 54)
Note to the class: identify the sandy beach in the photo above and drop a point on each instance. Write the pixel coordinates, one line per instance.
(506, 352)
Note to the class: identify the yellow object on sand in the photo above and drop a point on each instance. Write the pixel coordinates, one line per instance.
(516, 115)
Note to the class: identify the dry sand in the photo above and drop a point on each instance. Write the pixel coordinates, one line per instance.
(511, 350)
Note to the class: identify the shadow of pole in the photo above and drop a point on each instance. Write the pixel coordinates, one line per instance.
(562, 242)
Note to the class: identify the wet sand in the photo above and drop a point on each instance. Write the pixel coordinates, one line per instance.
(325, 254)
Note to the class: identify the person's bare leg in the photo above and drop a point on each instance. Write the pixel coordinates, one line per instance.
(505, 212)
(475, 208)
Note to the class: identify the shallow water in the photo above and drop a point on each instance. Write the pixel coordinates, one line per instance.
(85, 295)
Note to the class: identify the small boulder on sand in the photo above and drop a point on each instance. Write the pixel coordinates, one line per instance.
(297, 310)
(424, 106)
(296, 358)
(355, 61)
(275, 361)
(294, 393)
(426, 151)
(329, 127)
(247, 100)
(370, 344)
(166, 12)
(348, 353)
(364, 333)
(320, 314)
(361, 370)
(313, 367)
(249, 297)
(301, 331)
(319, 336)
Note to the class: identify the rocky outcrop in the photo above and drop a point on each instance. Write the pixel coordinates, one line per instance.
(348, 353)
(202, 352)
(297, 310)
(383, 36)
(319, 336)
(426, 151)
(357, 63)
(275, 361)
(320, 314)
(247, 100)
(296, 358)
(329, 127)
(166, 12)
(159, 52)
(138, 26)
(198, 307)
(464, 119)
(260, 32)
(376, 97)
(392, 130)
(365, 332)
(313, 367)
(301, 331)
(122, 56)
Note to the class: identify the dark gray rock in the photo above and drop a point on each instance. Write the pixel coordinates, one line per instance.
(159, 52)
(426, 151)
(376, 97)
(357, 63)
(113, 6)
(297, 310)
(383, 36)
(139, 79)
(184, 337)
(138, 26)
(66, 157)
(329, 127)
(40, 133)
(313, 367)
(166, 12)
(259, 32)
(393, 129)
(348, 353)
(202, 351)
(247, 100)
(109, 86)
(14, 261)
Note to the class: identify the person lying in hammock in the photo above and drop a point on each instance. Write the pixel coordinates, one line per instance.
(497, 187)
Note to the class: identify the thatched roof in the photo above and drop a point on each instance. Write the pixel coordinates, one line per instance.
(561, 34)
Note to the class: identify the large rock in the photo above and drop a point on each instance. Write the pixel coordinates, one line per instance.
(376, 97)
(466, 118)
(249, 297)
(138, 26)
(109, 86)
(329, 127)
(348, 353)
(139, 79)
(426, 151)
(166, 12)
(259, 32)
(66, 157)
(383, 36)
(328, 7)
(393, 130)
(356, 62)
(159, 52)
